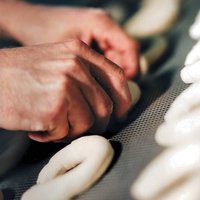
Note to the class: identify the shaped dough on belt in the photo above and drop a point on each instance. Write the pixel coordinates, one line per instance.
(186, 102)
(135, 92)
(72, 170)
(167, 172)
(153, 18)
(153, 53)
(194, 30)
(191, 71)
(180, 131)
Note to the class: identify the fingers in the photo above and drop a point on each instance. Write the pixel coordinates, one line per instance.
(116, 44)
(79, 116)
(100, 103)
(108, 74)
(186, 102)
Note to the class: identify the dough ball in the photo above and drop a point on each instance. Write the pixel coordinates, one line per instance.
(153, 18)
(135, 92)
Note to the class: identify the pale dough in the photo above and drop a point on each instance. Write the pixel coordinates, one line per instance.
(165, 172)
(191, 71)
(194, 30)
(72, 170)
(135, 92)
(181, 131)
(185, 103)
(153, 18)
(116, 10)
(152, 54)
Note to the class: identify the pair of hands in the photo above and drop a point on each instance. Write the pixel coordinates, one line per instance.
(63, 88)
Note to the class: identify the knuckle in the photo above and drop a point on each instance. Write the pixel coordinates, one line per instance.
(61, 88)
(74, 45)
(74, 65)
(120, 75)
(83, 126)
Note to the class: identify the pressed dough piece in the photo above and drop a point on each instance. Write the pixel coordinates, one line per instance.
(153, 54)
(194, 30)
(166, 172)
(193, 56)
(184, 104)
(153, 18)
(187, 190)
(191, 73)
(135, 92)
(180, 131)
(72, 170)
(116, 10)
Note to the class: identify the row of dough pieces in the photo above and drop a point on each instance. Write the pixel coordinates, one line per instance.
(174, 174)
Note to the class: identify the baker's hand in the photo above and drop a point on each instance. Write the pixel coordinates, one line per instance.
(42, 24)
(62, 89)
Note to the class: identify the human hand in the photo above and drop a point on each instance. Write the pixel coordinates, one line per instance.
(42, 24)
(61, 89)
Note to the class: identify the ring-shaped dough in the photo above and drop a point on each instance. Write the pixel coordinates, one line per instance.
(72, 170)
(135, 92)
(153, 18)
(166, 171)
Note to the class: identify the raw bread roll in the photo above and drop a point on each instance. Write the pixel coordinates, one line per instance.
(153, 18)
(187, 102)
(153, 53)
(116, 10)
(181, 131)
(194, 30)
(72, 170)
(191, 71)
(166, 174)
(135, 92)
